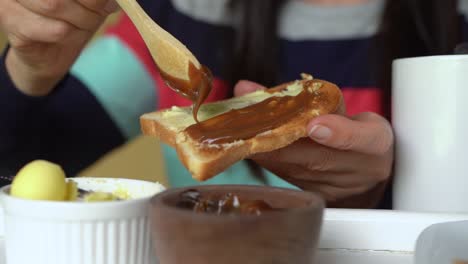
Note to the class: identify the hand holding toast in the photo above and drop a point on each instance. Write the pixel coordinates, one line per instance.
(233, 129)
(347, 160)
(46, 37)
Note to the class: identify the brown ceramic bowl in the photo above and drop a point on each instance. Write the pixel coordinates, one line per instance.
(284, 236)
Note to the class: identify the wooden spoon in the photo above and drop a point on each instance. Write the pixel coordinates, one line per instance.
(171, 56)
(178, 66)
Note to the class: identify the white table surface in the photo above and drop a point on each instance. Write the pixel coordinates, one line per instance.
(360, 236)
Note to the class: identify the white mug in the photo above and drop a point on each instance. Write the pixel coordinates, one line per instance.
(430, 120)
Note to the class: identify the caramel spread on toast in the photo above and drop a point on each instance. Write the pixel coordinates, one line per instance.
(196, 89)
(247, 122)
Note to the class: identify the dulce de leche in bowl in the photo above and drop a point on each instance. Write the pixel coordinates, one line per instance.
(235, 224)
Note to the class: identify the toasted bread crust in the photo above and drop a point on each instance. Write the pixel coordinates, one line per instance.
(205, 161)
(155, 129)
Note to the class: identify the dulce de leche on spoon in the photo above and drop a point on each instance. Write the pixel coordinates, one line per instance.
(178, 67)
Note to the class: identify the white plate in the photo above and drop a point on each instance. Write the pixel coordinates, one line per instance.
(374, 236)
(361, 236)
(443, 243)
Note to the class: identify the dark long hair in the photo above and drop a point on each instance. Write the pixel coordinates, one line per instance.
(255, 47)
(408, 28)
(415, 28)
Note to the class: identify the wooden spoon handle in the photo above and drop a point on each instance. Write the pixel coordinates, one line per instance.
(170, 55)
(145, 25)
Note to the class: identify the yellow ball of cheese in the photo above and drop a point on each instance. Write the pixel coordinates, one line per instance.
(40, 180)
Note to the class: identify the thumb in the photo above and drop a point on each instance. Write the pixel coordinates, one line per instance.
(111, 6)
(366, 132)
(244, 87)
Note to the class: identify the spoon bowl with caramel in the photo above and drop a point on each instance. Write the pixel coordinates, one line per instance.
(235, 224)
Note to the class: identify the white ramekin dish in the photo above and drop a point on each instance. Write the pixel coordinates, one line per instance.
(111, 232)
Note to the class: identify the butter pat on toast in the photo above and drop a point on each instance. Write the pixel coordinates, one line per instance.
(285, 110)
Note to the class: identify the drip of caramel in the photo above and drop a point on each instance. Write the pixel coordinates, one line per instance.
(247, 122)
(196, 89)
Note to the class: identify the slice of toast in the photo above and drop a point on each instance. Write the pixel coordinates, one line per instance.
(206, 160)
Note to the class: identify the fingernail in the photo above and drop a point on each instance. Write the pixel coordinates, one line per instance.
(319, 132)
